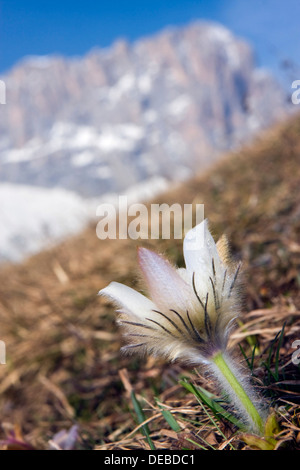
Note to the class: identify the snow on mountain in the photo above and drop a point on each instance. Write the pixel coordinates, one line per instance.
(32, 218)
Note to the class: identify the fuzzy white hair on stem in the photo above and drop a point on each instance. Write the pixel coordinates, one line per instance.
(189, 313)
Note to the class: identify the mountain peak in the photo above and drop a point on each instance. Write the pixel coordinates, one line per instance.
(163, 106)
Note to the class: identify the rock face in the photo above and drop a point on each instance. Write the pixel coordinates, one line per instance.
(167, 105)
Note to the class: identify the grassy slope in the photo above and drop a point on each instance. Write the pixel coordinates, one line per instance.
(63, 362)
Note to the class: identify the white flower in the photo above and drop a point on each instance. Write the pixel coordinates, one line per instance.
(189, 314)
(189, 311)
(64, 439)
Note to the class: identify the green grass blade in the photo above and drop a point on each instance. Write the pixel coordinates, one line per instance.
(210, 417)
(252, 359)
(141, 418)
(245, 356)
(209, 400)
(170, 419)
(275, 355)
(196, 444)
(250, 363)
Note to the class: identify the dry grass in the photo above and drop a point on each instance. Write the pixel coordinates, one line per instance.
(63, 361)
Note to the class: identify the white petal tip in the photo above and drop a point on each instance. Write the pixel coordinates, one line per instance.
(127, 299)
(195, 238)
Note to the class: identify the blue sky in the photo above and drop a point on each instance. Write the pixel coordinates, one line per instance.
(32, 27)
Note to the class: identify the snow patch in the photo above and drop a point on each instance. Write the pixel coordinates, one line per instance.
(33, 218)
(102, 172)
(145, 84)
(179, 105)
(122, 137)
(123, 86)
(223, 36)
(83, 159)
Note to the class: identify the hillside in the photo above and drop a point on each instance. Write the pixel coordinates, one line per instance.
(63, 361)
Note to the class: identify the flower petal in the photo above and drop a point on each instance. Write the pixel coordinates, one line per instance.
(166, 287)
(129, 300)
(199, 250)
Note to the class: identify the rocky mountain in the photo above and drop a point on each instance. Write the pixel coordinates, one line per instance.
(164, 106)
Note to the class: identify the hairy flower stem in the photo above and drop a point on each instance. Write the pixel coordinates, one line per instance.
(233, 384)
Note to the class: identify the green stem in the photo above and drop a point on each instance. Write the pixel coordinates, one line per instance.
(238, 392)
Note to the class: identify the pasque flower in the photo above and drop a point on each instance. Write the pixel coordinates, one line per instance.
(189, 313)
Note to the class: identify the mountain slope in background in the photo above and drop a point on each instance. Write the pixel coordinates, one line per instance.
(163, 106)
